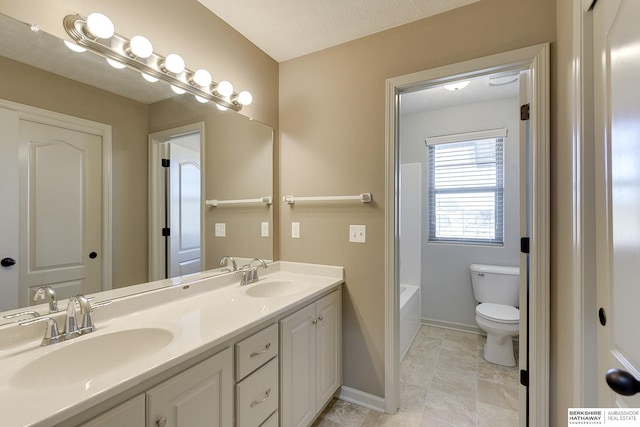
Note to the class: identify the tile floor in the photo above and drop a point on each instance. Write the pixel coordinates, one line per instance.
(445, 382)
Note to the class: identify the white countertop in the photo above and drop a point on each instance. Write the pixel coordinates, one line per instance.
(201, 315)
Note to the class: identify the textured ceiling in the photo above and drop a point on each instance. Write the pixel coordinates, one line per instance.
(286, 29)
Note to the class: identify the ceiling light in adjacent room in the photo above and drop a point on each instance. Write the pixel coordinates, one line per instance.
(100, 26)
(502, 79)
(457, 86)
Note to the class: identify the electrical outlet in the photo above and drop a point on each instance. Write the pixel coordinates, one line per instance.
(264, 231)
(220, 230)
(295, 230)
(358, 233)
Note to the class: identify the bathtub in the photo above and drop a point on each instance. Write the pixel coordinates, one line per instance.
(410, 316)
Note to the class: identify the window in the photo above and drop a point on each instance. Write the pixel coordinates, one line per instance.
(466, 188)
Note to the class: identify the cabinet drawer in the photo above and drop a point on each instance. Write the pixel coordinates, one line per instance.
(253, 352)
(272, 421)
(257, 395)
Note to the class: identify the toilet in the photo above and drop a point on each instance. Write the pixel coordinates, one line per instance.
(496, 288)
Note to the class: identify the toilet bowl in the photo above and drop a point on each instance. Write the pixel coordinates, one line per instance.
(501, 323)
(496, 288)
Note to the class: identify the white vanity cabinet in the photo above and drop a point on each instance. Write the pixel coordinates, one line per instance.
(311, 359)
(200, 396)
(128, 414)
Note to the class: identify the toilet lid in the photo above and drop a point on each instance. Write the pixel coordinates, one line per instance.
(498, 312)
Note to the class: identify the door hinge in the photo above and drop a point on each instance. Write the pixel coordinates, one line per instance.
(524, 378)
(524, 245)
(524, 112)
(166, 163)
(166, 232)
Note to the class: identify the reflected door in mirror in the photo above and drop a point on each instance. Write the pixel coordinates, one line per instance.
(59, 204)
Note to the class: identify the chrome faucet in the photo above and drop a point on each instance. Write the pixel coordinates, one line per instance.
(250, 273)
(71, 329)
(47, 293)
(229, 259)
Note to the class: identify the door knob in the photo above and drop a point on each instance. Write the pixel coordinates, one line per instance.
(93, 255)
(622, 382)
(7, 262)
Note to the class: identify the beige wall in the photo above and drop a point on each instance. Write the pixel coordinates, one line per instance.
(332, 142)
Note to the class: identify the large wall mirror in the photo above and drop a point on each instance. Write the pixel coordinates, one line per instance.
(54, 103)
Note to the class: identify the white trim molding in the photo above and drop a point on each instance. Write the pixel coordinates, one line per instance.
(535, 59)
(360, 398)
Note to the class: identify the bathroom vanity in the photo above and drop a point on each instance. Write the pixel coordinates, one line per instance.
(203, 352)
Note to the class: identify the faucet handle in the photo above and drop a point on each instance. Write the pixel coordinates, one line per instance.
(51, 334)
(263, 264)
(86, 310)
(47, 293)
(71, 322)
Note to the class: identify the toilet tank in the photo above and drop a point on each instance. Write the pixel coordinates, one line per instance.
(496, 284)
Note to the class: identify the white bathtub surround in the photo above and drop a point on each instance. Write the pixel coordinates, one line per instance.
(410, 253)
(197, 318)
(410, 311)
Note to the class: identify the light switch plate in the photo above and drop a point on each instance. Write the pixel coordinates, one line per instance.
(295, 230)
(358, 233)
(220, 230)
(264, 230)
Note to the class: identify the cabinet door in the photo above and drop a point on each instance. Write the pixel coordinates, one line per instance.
(328, 347)
(127, 414)
(200, 396)
(298, 368)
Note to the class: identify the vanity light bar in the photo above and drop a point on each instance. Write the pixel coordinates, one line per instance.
(117, 48)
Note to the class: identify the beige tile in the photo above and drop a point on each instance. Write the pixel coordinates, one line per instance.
(344, 413)
(491, 416)
(424, 349)
(416, 372)
(498, 374)
(458, 384)
(460, 365)
(434, 332)
(502, 396)
(451, 408)
(375, 419)
(432, 422)
(322, 422)
(459, 348)
(412, 398)
(461, 336)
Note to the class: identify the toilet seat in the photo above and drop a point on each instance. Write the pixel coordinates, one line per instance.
(498, 313)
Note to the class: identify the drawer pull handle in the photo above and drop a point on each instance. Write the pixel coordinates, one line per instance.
(257, 402)
(258, 353)
(162, 422)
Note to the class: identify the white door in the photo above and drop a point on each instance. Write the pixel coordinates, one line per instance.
(617, 130)
(52, 192)
(328, 347)
(184, 194)
(60, 210)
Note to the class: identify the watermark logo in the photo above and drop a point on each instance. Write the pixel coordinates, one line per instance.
(615, 417)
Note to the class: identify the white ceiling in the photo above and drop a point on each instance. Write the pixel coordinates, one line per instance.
(286, 29)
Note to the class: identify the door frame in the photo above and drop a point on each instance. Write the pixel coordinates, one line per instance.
(536, 59)
(156, 195)
(53, 118)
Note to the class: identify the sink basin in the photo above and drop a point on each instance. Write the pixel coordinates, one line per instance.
(84, 358)
(275, 288)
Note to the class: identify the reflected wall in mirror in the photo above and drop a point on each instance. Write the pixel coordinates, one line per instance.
(39, 71)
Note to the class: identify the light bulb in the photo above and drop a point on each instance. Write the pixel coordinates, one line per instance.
(202, 78)
(100, 26)
(149, 78)
(141, 47)
(174, 63)
(201, 99)
(178, 90)
(221, 107)
(245, 98)
(457, 85)
(115, 64)
(74, 47)
(224, 88)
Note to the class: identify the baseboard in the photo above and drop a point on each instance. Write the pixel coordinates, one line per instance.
(361, 398)
(453, 325)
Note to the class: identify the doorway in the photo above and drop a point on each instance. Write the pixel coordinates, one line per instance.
(175, 202)
(534, 335)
